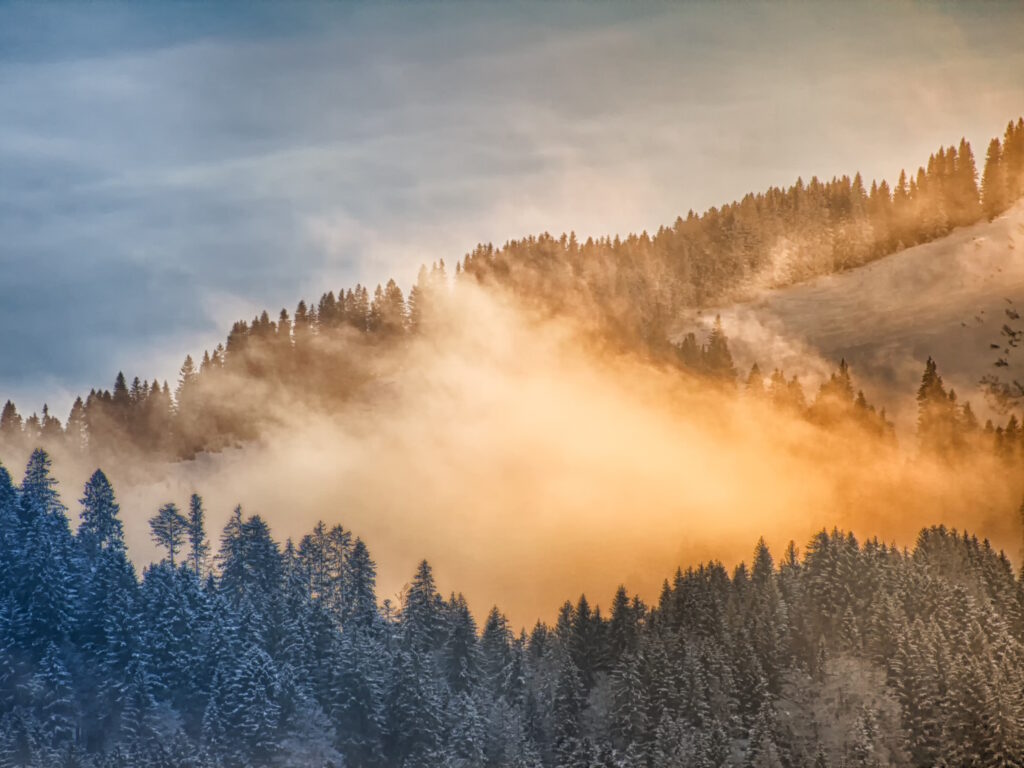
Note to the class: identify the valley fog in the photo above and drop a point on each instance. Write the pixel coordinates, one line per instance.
(529, 465)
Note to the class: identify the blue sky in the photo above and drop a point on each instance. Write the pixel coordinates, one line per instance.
(166, 169)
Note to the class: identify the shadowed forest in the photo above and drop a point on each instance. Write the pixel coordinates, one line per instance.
(849, 653)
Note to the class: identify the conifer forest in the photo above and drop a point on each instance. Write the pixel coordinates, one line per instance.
(817, 530)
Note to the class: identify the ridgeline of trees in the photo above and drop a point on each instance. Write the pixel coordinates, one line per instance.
(634, 288)
(852, 654)
(628, 291)
(946, 427)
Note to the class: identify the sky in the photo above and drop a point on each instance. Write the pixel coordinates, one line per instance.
(166, 169)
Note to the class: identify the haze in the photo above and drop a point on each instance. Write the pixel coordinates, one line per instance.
(165, 170)
(529, 466)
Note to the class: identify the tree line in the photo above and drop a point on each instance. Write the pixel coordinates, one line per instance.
(946, 427)
(633, 288)
(848, 654)
(627, 290)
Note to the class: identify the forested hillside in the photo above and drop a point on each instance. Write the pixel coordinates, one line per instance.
(845, 654)
(635, 287)
(624, 292)
(248, 651)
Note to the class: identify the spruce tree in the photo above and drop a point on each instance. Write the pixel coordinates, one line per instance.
(718, 363)
(361, 605)
(421, 619)
(53, 699)
(993, 181)
(199, 547)
(251, 707)
(100, 527)
(168, 528)
(567, 713)
(39, 496)
(356, 696)
(10, 422)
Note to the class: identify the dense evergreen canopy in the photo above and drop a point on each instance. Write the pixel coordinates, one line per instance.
(260, 654)
(853, 654)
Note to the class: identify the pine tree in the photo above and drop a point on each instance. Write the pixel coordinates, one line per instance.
(121, 400)
(216, 730)
(414, 710)
(496, 654)
(460, 654)
(313, 553)
(303, 327)
(10, 422)
(630, 725)
(100, 526)
(283, 338)
(717, 358)
(184, 395)
(357, 699)
(763, 750)
(307, 738)
(337, 554)
(586, 642)
(766, 617)
(231, 557)
(465, 747)
(755, 382)
(108, 633)
(199, 547)
(418, 305)
(966, 198)
(421, 615)
(39, 490)
(168, 528)
(936, 417)
(77, 427)
(53, 698)
(1013, 158)
(135, 704)
(993, 181)
(8, 508)
(393, 310)
(361, 607)
(251, 706)
(567, 712)
(44, 585)
(862, 742)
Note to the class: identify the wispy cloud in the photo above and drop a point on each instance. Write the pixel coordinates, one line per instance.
(163, 167)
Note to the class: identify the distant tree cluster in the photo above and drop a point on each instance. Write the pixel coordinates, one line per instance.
(1002, 182)
(854, 654)
(837, 404)
(630, 290)
(634, 288)
(323, 354)
(948, 428)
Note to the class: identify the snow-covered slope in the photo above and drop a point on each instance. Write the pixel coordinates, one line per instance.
(948, 299)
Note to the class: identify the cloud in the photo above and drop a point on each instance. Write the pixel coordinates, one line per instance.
(158, 161)
(530, 465)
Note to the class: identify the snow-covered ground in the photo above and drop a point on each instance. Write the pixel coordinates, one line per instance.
(949, 299)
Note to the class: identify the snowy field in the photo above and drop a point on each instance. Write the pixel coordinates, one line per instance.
(949, 299)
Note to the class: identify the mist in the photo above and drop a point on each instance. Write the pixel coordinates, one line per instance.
(157, 204)
(947, 299)
(530, 464)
